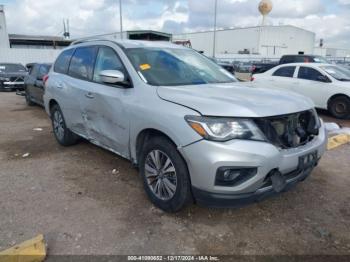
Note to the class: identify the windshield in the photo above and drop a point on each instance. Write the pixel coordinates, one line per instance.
(173, 67)
(11, 68)
(337, 72)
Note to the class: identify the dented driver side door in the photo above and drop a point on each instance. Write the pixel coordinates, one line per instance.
(105, 113)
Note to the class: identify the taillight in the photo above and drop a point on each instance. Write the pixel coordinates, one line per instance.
(45, 78)
(252, 78)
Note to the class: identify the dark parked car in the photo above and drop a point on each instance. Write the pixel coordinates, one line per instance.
(34, 83)
(12, 76)
(226, 65)
(244, 67)
(287, 59)
(258, 68)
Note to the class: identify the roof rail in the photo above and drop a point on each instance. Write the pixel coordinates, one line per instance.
(86, 40)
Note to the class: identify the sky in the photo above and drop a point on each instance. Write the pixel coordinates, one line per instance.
(329, 19)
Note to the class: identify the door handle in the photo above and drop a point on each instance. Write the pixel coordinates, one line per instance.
(89, 95)
(60, 86)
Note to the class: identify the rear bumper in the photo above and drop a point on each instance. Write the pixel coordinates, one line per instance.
(219, 200)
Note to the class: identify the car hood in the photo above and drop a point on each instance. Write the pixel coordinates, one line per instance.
(235, 100)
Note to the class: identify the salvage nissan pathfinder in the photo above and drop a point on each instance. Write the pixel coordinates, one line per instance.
(193, 131)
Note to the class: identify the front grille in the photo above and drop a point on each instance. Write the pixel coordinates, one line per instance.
(290, 131)
(16, 79)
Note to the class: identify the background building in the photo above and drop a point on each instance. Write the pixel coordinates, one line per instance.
(38, 42)
(266, 41)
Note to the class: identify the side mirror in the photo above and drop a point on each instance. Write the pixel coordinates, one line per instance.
(112, 76)
(323, 78)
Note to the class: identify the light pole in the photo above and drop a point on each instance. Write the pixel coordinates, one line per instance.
(121, 19)
(214, 40)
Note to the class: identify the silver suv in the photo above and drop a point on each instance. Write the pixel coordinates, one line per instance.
(193, 131)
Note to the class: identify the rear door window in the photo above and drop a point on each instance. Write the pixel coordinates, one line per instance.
(309, 73)
(62, 62)
(82, 63)
(287, 71)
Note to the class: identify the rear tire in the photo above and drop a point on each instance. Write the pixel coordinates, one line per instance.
(339, 107)
(63, 135)
(170, 174)
(28, 100)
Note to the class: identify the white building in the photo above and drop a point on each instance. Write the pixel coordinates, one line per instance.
(266, 41)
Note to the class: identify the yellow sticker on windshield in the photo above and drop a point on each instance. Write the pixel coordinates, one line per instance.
(145, 67)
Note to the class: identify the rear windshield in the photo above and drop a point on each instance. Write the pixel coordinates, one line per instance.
(12, 68)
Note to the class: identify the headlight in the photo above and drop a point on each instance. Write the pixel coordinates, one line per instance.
(225, 129)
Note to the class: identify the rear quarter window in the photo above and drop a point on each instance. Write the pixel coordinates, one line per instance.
(62, 62)
(83, 62)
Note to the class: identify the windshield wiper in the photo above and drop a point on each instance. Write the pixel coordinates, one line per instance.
(344, 79)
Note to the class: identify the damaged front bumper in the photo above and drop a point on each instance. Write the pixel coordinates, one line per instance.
(289, 180)
(277, 170)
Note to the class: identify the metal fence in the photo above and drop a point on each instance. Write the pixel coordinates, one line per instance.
(25, 56)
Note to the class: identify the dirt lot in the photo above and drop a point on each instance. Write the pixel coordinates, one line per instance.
(72, 196)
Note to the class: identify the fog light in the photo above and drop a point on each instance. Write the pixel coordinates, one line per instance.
(226, 176)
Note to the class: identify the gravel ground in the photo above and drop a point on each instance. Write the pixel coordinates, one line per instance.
(74, 198)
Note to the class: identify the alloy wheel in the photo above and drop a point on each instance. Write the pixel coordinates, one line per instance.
(161, 175)
(58, 125)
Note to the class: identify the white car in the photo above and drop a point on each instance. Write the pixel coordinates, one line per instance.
(327, 85)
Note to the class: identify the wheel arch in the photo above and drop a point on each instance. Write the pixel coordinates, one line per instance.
(151, 132)
(51, 104)
(146, 134)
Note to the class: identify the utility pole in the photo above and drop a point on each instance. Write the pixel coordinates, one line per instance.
(214, 40)
(121, 19)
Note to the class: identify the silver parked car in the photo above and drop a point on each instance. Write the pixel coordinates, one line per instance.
(193, 131)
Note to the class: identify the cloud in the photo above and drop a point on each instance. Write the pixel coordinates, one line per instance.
(329, 19)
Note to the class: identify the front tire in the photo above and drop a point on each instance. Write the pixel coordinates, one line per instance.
(165, 175)
(63, 135)
(339, 107)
